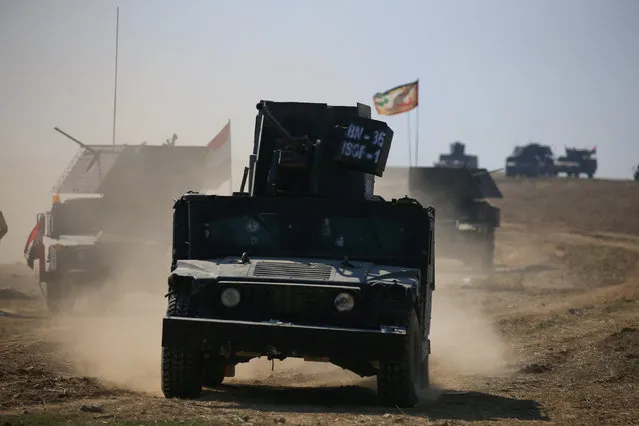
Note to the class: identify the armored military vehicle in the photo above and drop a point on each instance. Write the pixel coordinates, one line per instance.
(457, 158)
(466, 222)
(111, 211)
(636, 175)
(577, 161)
(531, 160)
(307, 263)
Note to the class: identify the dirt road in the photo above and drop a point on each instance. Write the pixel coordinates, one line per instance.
(551, 337)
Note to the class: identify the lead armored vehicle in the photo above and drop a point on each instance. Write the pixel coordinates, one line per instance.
(307, 263)
(110, 213)
(532, 160)
(577, 162)
(457, 158)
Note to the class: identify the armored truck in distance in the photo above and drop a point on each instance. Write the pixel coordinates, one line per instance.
(577, 162)
(532, 160)
(466, 221)
(111, 212)
(307, 263)
(457, 158)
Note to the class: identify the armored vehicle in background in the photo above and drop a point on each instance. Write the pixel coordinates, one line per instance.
(577, 162)
(466, 222)
(636, 175)
(307, 263)
(457, 158)
(111, 212)
(532, 160)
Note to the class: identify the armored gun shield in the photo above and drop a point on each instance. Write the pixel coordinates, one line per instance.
(314, 149)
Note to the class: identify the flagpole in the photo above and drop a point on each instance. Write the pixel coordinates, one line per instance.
(417, 126)
(410, 148)
(115, 89)
(230, 156)
(417, 137)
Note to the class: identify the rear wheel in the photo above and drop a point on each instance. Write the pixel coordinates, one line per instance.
(181, 368)
(399, 383)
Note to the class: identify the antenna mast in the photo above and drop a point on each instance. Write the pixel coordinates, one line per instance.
(115, 89)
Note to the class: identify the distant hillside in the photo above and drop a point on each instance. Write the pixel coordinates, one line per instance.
(574, 204)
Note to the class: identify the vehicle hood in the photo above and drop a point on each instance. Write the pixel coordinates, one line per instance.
(322, 270)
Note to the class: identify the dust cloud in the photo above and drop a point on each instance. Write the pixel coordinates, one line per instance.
(464, 340)
(114, 331)
(293, 371)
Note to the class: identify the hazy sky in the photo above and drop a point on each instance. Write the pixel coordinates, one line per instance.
(493, 73)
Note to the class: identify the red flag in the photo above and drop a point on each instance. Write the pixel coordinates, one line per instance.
(219, 156)
(34, 248)
(221, 138)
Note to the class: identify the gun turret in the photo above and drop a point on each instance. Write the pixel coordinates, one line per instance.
(314, 149)
(457, 149)
(457, 158)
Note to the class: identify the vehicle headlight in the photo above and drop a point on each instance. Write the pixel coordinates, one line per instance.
(230, 297)
(344, 302)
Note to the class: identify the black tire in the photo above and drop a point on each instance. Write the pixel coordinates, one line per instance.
(214, 372)
(181, 368)
(58, 296)
(400, 383)
(591, 175)
(487, 251)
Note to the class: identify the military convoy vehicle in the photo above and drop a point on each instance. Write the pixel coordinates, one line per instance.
(308, 262)
(532, 160)
(457, 158)
(576, 162)
(466, 222)
(111, 211)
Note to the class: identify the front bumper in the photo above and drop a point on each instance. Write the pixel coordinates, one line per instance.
(285, 338)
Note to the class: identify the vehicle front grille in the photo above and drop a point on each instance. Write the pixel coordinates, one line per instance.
(288, 300)
(282, 302)
(293, 270)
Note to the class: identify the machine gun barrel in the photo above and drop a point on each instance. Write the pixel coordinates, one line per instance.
(266, 112)
(488, 172)
(75, 140)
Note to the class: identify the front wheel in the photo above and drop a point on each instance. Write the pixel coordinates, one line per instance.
(58, 295)
(400, 383)
(181, 368)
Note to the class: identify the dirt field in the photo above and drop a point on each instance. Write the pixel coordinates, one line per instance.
(551, 337)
